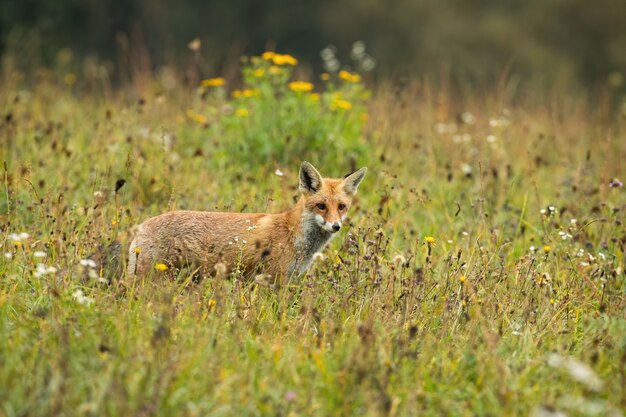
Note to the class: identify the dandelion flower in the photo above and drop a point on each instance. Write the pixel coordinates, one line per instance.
(341, 104)
(547, 248)
(268, 55)
(462, 278)
(349, 77)
(213, 82)
(399, 259)
(161, 267)
(300, 86)
(429, 239)
(280, 59)
(137, 250)
(212, 302)
(318, 256)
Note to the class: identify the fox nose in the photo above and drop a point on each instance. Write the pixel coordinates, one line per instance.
(336, 227)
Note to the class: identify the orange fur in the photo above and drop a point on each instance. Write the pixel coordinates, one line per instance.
(281, 245)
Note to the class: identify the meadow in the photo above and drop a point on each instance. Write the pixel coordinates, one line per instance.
(482, 272)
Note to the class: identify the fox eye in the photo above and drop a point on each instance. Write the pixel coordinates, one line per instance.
(342, 207)
(321, 206)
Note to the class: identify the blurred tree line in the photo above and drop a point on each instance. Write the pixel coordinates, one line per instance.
(568, 41)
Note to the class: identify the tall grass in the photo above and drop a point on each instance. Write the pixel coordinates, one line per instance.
(482, 272)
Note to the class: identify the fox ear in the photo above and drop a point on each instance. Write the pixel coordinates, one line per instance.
(351, 181)
(310, 179)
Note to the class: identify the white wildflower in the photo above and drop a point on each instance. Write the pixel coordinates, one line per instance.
(88, 262)
(42, 270)
(318, 256)
(80, 298)
(468, 118)
(8, 255)
(279, 173)
(40, 254)
(399, 259)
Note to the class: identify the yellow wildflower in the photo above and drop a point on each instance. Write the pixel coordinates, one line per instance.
(259, 72)
(242, 112)
(349, 77)
(245, 93)
(212, 303)
(462, 278)
(285, 59)
(137, 250)
(300, 86)
(341, 104)
(325, 76)
(161, 267)
(429, 239)
(267, 55)
(196, 117)
(547, 248)
(315, 96)
(213, 82)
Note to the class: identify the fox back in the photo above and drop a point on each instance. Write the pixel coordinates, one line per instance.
(281, 245)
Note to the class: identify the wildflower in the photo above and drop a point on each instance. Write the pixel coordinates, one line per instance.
(532, 249)
(267, 55)
(8, 255)
(349, 77)
(547, 248)
(194, 45)
(300, 86)
(325, 76)
(399, 259)
(274, 70)
(578, 370)
(259, 72)
(280, 59)
(161, 267)
(88, 262)
(212, 302)
(247, 93)
(468, 118)
(341, 104)
(242, 112)
(80, 298)
(19, 239)
(318, 256)
(615, 183)
(69, 79)
(137, 250)
(462, 278)
(196, 117)
(290, 396)
(40, 254)
(279, 172)
(429, 239)
(213, 82)
(42, 270)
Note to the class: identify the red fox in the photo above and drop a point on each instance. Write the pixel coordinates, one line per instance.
(281, 245)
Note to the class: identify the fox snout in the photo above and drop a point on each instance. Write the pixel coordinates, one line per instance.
(332, 226)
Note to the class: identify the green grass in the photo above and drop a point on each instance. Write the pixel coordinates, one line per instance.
(476, 323)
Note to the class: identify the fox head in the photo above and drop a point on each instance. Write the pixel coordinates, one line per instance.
(327, 200)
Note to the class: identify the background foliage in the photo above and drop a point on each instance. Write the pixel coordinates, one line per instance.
(471, 42)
